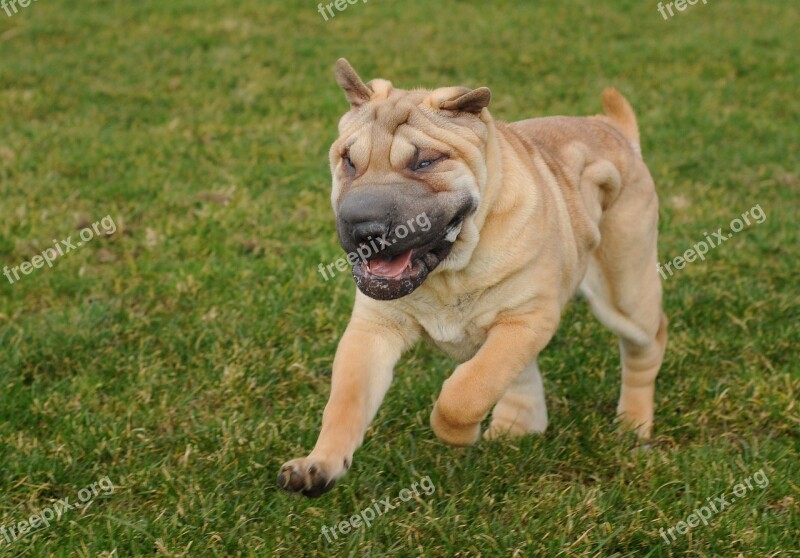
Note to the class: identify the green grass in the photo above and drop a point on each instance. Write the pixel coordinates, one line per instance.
(188, 355)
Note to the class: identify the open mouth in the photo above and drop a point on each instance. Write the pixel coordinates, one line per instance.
(388, 276)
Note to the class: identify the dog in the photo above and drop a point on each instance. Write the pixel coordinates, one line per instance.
(522, 216)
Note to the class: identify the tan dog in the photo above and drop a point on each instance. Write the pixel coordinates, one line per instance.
(521, 216)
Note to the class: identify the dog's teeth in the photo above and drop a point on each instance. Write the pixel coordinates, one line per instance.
(452, 234)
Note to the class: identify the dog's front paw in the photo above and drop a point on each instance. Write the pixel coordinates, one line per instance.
(450, 430)
(310, 476)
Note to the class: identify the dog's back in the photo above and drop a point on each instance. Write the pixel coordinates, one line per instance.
(584, 146)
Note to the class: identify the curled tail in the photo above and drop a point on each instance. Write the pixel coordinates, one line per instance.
(621, 114)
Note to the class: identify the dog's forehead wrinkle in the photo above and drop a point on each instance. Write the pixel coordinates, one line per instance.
(388, 118)
(391, 113)
(353, 123)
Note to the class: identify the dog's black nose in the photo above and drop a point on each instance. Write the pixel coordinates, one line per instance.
(368, 230)
(365, 214)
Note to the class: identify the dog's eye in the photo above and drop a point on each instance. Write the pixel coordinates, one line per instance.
(347, 162)
(419, 165)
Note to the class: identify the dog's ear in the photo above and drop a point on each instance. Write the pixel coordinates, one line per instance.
(473, 101)
(356, 92)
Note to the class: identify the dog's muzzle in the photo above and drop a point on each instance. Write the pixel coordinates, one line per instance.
(397, 234)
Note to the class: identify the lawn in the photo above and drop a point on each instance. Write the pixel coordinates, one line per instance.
(178, 362)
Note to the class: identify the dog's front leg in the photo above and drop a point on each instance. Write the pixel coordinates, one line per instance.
(362, 372)
(467, 396)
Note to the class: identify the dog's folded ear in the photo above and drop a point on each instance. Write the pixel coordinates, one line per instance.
(356, 92)
(473, 101)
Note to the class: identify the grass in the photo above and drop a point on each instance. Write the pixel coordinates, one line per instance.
(188, 355)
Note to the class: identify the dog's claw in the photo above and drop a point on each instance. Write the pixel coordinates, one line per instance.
(308, 481)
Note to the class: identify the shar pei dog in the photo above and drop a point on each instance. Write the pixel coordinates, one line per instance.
(520, 216)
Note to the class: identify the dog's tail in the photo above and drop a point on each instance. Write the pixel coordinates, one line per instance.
(619, 110)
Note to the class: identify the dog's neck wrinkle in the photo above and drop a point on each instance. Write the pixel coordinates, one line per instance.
(489, 190)
(496, 199)
(492, 188)
(501, 195)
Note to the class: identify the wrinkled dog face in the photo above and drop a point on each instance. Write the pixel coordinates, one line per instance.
(408, 168)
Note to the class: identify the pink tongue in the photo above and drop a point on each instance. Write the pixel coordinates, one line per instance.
(391, 269)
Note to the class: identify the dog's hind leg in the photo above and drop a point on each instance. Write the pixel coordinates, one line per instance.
(522, 409)
(624, 291)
